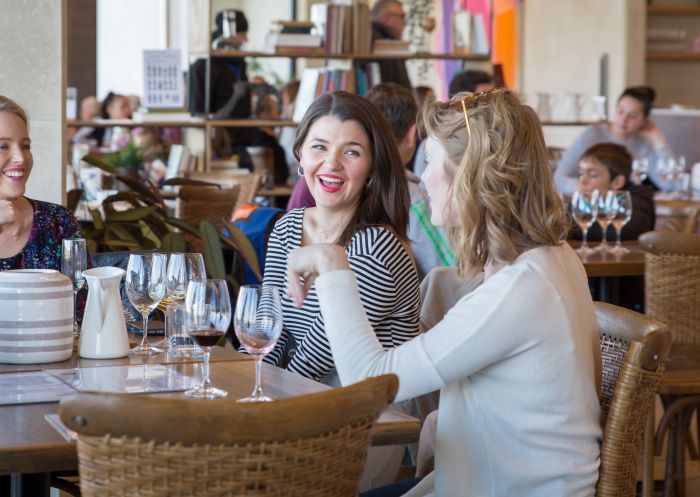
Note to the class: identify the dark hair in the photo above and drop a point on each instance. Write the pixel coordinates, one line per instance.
(111, 97)
(614, 157)
(241, 23)
(468, 81)
(397, 104)
(385, 200)
(381, 5)
(644, 94)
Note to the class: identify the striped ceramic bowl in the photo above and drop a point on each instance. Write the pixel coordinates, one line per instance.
(36, 316)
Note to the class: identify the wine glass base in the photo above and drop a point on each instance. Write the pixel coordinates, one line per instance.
(256, 398)
(585, 250)
(145, 350)
(619, 250)
(190, 351)
(206, 393)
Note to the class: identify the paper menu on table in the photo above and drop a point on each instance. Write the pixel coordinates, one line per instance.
(32, 388)
(142, 378)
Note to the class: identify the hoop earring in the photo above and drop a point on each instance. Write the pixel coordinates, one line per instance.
(300, 171)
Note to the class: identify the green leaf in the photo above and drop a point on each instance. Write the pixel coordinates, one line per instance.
(130, 197)
(188, 182)
(122, 232)
(100, 163)
(113, 244)
(241, 243)
(91, 246)
(183, 226)
(97, 219)
(213, 254)
(131, 214)
(73, 199)
(137, 185)
(173, 242)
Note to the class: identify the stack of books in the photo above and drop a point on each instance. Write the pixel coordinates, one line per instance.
(393, 47)
(345, 27)
(293, 36)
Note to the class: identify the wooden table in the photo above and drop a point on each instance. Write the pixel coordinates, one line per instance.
(29, 445)
(606, 264)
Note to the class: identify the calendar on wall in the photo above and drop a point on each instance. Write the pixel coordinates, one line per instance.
(163, 86)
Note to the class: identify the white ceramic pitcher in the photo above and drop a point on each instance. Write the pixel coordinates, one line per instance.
(103, 332)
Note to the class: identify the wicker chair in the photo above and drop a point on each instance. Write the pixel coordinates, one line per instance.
(199, 203)
(313, 445)
(633, 351)
(672, 295)
(248, 183)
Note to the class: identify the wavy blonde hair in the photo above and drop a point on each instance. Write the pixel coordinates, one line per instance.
(502, 189)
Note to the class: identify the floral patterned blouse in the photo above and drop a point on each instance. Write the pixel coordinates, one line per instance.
(52, 223)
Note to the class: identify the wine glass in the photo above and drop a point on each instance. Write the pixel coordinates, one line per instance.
(145, 287)
(182, 268)
(258, 324)
(604, 216)
(640, 170)
(584, 210)
(207, 317)
(73, 263)
(621, 209)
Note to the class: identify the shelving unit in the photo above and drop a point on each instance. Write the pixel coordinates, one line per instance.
(673, 73)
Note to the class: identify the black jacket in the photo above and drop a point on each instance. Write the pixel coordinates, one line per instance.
(392, 71)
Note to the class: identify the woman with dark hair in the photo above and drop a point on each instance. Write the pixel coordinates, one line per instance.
(348, 157)
(631, 127)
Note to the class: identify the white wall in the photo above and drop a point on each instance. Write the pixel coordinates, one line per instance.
(564, 39)
(124, 29)
(33, 74)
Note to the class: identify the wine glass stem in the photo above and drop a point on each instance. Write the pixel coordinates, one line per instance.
(145, 330)
(206, 381)
(257, 391)
(585, 238)
(75, 310)
(604, 238)
(619, 236)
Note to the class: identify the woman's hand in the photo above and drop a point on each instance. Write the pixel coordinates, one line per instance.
(306, 263)
(653, 134)
(10, 217)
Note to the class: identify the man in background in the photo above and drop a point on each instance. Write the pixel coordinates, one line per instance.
(388, 22)
(472, 81)
(428, 243)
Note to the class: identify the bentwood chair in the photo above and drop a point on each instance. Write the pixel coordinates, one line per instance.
(313, 445)
(634, 350)
(672, 295)
(248, 183)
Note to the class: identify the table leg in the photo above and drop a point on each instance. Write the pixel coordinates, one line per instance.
(30, 485)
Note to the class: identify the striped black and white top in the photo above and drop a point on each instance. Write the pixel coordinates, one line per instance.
(388, 285)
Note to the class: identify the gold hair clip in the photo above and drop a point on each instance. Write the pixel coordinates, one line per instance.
(471, 99)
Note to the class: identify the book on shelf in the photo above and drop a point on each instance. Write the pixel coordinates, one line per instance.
(293, 27)
(461, 32)
(385, 46)
(293, 40)
(480, 43)
(317, 81)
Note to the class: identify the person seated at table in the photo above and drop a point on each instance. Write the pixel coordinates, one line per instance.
(349, 159)
(90, 108)
(114, 106)
(607, 166)
(31, 231)
(631, 126)
(517, 359)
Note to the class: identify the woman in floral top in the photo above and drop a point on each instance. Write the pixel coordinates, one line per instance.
(31, 231)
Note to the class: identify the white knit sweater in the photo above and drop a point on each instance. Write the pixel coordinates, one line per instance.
(515, 361)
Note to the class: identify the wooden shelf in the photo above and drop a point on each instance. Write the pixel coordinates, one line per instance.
(249, 123)
(106, 123)
(313, 54)
(670, 56)
(673, 10)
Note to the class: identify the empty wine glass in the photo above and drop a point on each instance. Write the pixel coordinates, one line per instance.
(73, 263)
(604, 216)
(258, 325)
(145, 287)
(207, 317)
(640, 170)
(621, 208)
(584, 207)
(182, 268)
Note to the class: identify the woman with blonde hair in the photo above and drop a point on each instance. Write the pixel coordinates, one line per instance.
(517, 359)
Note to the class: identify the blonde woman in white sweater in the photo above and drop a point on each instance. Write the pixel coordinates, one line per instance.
(517, 359)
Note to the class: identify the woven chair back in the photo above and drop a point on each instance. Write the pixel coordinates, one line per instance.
(248, 183)
(693, 221)
(198, 203)
(635, 389)
(312, 445)
(672, 283)
(618, 328)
